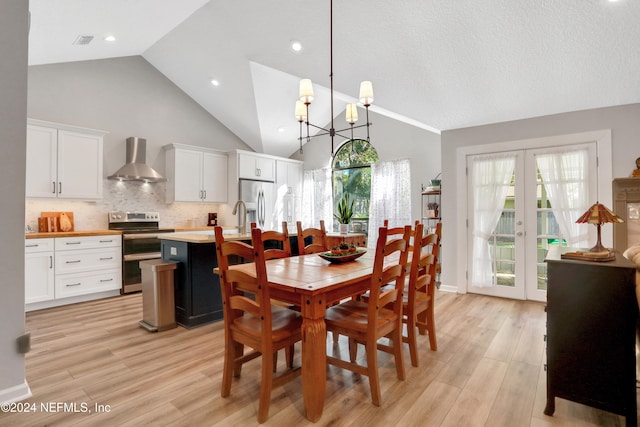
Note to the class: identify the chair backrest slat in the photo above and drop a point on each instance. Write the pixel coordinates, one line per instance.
(318, 239)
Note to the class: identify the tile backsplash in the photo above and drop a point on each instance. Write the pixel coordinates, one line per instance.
(122, 196)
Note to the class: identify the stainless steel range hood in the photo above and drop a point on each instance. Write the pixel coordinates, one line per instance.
(136, 169)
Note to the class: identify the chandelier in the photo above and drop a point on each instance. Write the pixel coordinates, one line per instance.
(306, 96)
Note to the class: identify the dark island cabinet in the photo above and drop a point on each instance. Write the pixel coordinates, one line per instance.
(591, 329)
(198, 296)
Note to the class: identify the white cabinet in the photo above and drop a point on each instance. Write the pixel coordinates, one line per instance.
(195, 175)
(253, 166)
(57, 269)
(63, 161)
(87, 264)
(38, 270)
(289, 191)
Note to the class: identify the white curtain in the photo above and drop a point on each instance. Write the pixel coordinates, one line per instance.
(491, 178)
(317, 198)
(565, 176)
(390, 196)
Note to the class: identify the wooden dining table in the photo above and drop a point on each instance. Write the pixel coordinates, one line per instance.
(313, 284)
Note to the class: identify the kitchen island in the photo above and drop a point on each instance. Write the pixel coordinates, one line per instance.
(198, 297)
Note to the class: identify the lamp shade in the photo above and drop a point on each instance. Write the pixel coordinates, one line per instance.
(301, 111)
(306, 91)
(352, 113)
(366, 93)
(598, 214)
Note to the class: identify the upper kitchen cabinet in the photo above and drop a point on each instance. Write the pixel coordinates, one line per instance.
(252, 166)
(195, 174)
(289, 177)
(63, 161)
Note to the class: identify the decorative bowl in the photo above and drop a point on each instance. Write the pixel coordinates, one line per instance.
(337, 259)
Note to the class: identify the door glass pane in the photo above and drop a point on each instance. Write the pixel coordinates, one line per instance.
(548, 232)
(503, 242)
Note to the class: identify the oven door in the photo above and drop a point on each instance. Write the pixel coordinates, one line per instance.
(136, 248)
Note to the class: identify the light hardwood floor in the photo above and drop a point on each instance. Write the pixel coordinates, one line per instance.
(488, 371)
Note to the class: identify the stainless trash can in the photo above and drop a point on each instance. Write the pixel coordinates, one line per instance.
(158, 307)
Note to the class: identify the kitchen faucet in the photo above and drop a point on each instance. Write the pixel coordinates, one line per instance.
(243, 226)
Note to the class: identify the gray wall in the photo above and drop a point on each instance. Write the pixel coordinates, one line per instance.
(624, 122)
(393, 140)
(13, 108)
(126, 97)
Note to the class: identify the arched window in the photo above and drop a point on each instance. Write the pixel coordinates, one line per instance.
(352, 175)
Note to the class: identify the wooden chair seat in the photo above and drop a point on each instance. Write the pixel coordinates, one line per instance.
(353, 315)
(285, 324)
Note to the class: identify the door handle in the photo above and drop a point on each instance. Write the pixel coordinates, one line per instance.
(519, 234)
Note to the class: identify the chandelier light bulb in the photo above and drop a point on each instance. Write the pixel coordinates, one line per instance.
(306, 91)
(366, 93)
(352, 113)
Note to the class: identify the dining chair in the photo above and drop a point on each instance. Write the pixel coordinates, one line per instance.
(253, 322)
(426, 319)
(318, 239)
(366, 322)
(419, 292)
(418, 298)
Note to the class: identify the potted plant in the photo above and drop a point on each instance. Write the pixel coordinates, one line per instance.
(344, 213)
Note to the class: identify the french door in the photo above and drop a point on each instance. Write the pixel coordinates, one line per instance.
(511, 217)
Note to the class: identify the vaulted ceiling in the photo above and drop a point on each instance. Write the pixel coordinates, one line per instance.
(435, 64)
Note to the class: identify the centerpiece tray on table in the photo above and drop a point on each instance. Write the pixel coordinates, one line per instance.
(343, 257)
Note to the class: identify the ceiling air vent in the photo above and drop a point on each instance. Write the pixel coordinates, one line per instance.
(83, 40)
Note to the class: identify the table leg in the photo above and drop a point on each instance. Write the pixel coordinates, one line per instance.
(314, 358)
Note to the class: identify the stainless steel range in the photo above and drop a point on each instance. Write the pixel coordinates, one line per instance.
(140, 241)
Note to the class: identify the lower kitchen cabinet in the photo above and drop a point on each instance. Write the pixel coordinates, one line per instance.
(39, 277)
(591, 334)
(66, 270)
(198, 296)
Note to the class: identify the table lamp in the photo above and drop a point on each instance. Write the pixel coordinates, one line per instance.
(598, 214)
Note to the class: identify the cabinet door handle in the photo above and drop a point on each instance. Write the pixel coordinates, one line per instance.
(106, 280)
(50, 262)
(105, 258)
(72, 243)
(205, 194)
(32, 246)
(54, 187)
(59, 187)
(106, 241)
(75, 261)
(73, 284)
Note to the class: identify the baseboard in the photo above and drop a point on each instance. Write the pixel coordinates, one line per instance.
(446, 288)
(15, 393)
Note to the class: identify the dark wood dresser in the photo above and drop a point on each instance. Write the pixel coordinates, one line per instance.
(591, 333)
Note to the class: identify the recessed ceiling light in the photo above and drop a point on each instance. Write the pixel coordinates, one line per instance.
(296, 46)
(282, 129)
(215, 82)
(110, 38)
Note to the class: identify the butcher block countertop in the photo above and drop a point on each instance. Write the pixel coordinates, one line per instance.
(202, 238)
(72, 234)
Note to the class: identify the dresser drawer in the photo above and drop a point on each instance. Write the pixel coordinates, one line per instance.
(87, 260)
(38, 245)
(69, 285)
(87, 242)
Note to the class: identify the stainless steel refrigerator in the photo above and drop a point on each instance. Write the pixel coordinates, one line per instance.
(259, 196)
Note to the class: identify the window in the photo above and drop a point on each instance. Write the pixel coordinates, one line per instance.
(351, 174)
